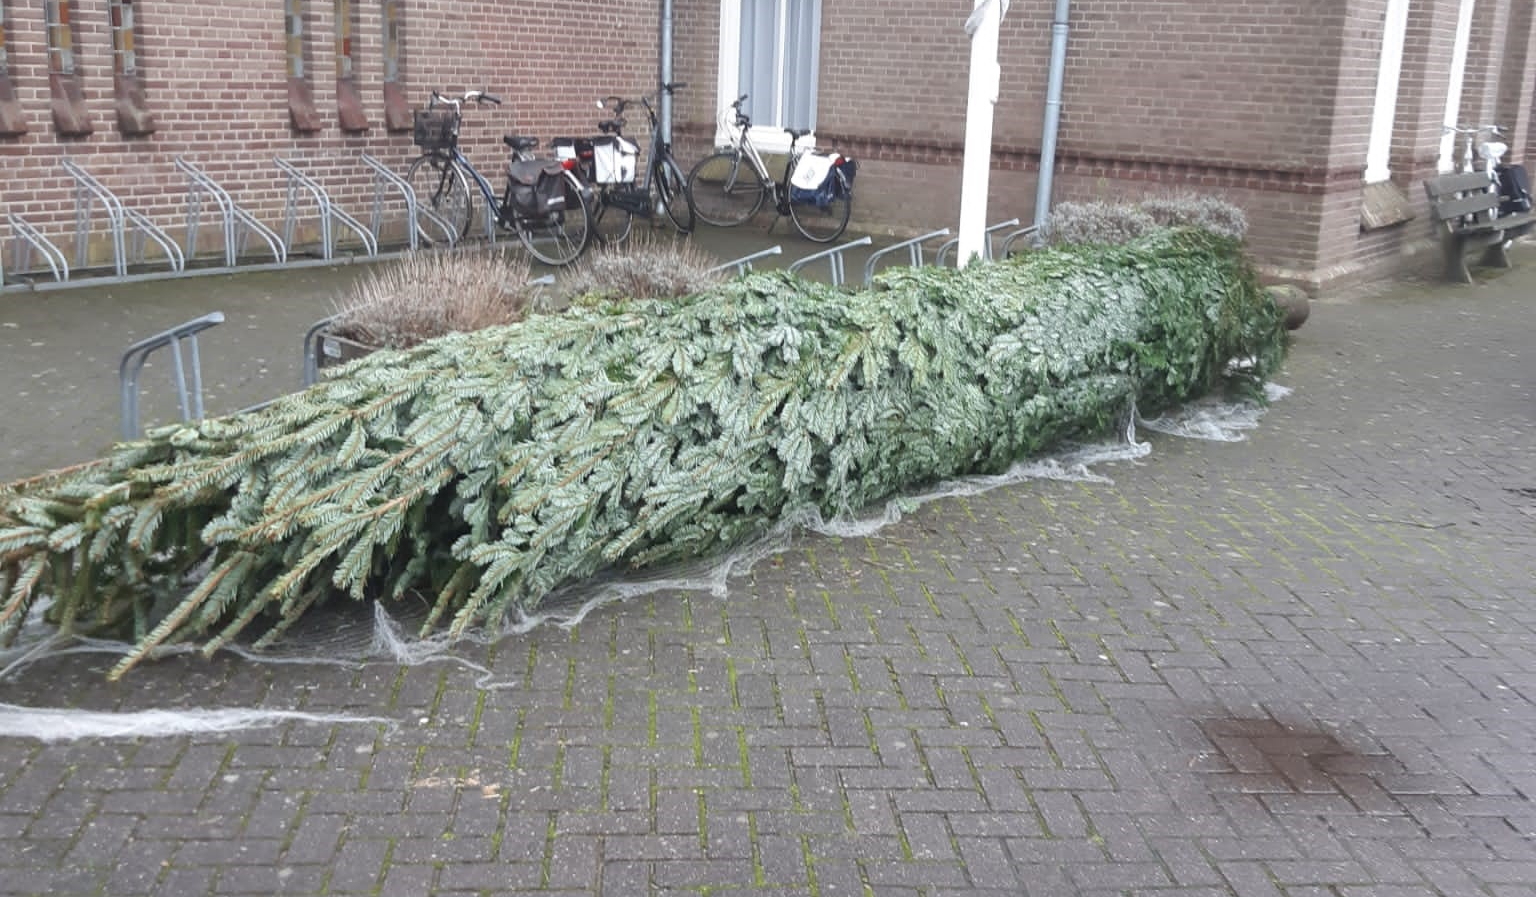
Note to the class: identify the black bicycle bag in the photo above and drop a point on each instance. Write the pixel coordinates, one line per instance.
(537, 186)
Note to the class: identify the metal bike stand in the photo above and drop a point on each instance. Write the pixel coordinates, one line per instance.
(414, 211)
(119, 217)
(743, 265)
(942, 258)
(237, 224)
(914, 248)
(329, 213)
(1008, 241)
(834, 257)
(190, 400)
(24, 239)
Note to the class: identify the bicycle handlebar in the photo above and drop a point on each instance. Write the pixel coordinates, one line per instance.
(478, 97)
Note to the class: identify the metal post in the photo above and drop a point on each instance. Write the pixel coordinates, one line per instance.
(986, 79)
(1059, 30)
(665, 100)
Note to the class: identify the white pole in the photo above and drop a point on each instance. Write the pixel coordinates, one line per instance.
(986, 78)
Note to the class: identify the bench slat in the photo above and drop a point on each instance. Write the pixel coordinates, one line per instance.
(1460, 182)
(1474, 204)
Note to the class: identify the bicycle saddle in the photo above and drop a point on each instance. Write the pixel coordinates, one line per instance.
(797, 133)
(520, 143)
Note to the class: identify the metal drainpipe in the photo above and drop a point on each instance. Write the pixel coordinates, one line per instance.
(1059, 29)
(666, 70)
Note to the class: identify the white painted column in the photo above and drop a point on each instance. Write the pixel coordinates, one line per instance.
(1378, 154)
(986, 79)
(1453, 89)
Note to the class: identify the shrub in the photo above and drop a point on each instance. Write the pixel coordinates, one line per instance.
(643, 267)
(484, 470)
(425, 295)
(1113, 223)
(1088, 223)
(1210, 213)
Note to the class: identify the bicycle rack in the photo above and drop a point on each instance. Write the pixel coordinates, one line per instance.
(132, 364)
(237, 224)
(87, 191)
(329, 213)
(942, 258)
(24, 239)
(834, 256)
(414, 211)
(743, 265)
(1008, 241)
(914, 248)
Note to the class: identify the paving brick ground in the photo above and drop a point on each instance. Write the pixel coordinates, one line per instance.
(1301, 665)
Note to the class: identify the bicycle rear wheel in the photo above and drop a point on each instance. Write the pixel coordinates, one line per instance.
(441, 186)
(673, 190)
(726, 190)
(823, 224)
(559, 238)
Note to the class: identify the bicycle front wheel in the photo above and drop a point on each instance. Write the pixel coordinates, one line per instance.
(559, 238)
(610, 223)
(824, 223)
(725, 189)
(441, 186)
(673, 191)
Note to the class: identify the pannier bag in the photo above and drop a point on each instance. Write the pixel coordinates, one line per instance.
(614, 160)
(815, 182)
(537, 186)
(1514, 190)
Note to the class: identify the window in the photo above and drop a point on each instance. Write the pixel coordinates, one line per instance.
(349, 100)
(68, 99)
(301, 95)
(770, 50)
(12, 122)
(397, 106)
(1453, 89)
(133, 116)
(1378, 154)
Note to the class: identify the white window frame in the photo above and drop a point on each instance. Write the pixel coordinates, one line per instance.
(767, 138)
(1454, 88)
(1378, 153)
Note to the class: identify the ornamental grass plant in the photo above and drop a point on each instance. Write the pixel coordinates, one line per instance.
(425, 295)
(480, 471)
(642, 267)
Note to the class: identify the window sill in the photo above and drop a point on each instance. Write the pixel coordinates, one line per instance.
(70, 117)
(133, 116)
(301, 106)
(1383, 205)
(397, 108)
(349, 106)
(13, 122)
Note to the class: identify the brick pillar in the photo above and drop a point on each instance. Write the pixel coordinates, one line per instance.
(1421, 94)
(1485, 62)
(1517, 82)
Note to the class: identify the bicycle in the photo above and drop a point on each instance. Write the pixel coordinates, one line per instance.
(618, 198)
(732, 184)
(544, 203)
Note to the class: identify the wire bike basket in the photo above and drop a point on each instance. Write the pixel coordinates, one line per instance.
(435, 129)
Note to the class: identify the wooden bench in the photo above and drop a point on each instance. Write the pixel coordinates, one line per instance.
(1463, 212)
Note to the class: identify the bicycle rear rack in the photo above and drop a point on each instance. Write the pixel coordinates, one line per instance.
(189, 399)
(328, 212)
(87, 191)
(236, 223)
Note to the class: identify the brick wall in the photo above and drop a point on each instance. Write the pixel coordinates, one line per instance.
(215, 79)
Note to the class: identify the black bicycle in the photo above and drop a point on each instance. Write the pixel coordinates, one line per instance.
(545, 203)
(610, 165)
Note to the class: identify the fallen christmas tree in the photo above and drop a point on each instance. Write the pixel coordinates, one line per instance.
(484, 470)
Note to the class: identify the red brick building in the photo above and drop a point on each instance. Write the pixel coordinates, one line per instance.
(1318, 117)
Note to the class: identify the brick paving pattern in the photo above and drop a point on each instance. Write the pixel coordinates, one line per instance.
(1301, 665)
